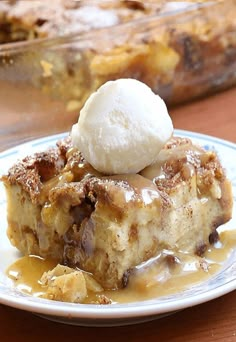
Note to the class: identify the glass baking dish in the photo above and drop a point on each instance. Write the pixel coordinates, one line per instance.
(185, 51)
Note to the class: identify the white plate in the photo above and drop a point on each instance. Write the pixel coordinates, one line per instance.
(98, 315)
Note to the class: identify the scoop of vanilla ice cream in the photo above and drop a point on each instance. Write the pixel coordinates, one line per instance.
(122, 127)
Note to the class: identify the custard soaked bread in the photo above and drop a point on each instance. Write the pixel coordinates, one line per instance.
(60, 207)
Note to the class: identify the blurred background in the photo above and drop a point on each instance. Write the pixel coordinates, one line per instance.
(53, 55)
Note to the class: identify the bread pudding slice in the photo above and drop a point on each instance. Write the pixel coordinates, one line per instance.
(60, 207)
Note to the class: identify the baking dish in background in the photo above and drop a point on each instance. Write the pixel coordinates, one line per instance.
(182, 52)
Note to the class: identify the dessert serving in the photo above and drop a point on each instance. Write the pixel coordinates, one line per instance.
(119, 203)
(68, 49)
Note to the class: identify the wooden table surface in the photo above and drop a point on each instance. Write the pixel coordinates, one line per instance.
(212, 321)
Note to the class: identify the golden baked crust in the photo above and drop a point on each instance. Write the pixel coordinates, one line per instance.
(179, 56)
(106, 225)
(24, 20)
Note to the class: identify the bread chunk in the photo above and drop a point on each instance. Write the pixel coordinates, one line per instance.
(64, 284)
(106, 225)
(68, 285)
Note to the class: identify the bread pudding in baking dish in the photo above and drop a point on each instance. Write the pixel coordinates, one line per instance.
(181, 49)
(104, 224)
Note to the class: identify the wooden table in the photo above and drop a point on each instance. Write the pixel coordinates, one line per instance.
(212, 321)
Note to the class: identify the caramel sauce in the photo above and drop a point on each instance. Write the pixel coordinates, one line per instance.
(163, 275)
(27, 271)
(184, 152)
(142, 187)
